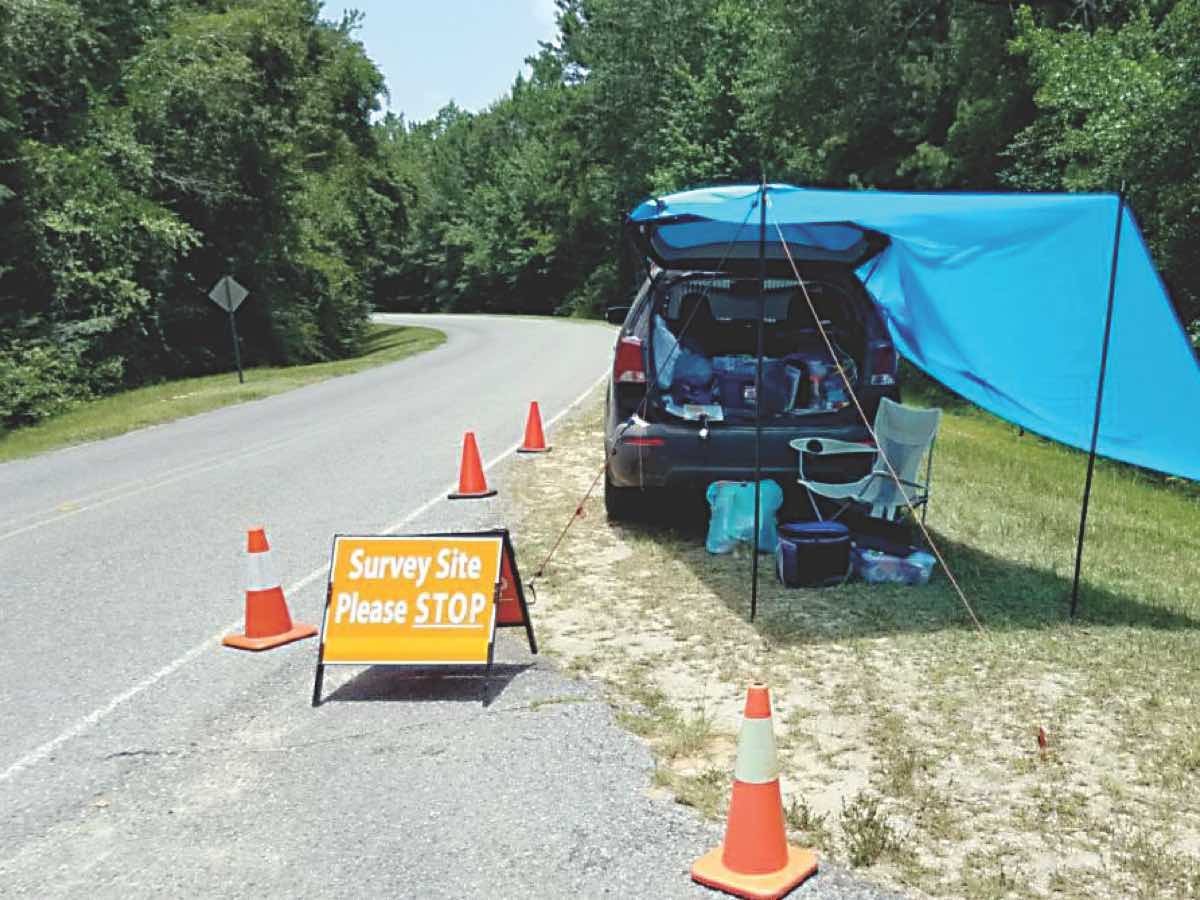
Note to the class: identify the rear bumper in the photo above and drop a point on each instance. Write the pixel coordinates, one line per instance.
(642, 454)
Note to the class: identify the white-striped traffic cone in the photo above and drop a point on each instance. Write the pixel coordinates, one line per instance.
(268, 622)
(756, 860)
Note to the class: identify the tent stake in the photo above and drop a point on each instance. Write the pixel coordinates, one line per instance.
(1091, 468)
(762, 307)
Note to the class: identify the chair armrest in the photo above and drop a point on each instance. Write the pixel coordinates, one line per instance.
(830, 445)
(923, 490)
(888, 475)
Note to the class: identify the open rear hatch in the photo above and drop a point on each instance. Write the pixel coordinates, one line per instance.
(692, 243)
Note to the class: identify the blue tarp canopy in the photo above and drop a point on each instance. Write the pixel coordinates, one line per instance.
(1001, 297)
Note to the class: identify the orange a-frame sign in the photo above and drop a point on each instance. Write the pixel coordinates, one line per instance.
(420, 600)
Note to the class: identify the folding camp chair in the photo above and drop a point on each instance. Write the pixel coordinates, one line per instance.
(905, 436)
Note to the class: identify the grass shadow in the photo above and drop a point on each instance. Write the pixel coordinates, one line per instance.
(921, 390)
(1005, 594)
(380, 340)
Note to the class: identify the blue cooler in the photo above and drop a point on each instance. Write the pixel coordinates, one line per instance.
(812, 554)
(735, 384)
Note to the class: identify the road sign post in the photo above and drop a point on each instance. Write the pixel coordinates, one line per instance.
(228, 295)
(237, 353)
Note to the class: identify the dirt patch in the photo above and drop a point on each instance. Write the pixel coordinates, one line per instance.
(908, 743)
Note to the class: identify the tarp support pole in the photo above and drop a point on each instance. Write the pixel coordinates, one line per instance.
(1091, 468)
(762, 308)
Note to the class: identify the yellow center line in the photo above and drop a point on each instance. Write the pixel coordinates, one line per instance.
(92, 719)
(78, 503)
(181, 474)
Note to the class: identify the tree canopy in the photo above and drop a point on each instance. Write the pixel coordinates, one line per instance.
(151, 146)
(518, 208)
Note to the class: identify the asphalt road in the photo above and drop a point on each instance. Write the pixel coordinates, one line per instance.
(139, 758)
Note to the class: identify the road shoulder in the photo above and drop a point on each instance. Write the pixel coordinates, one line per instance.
(158, 404)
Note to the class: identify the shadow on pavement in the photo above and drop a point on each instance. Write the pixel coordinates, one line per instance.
(428, 685)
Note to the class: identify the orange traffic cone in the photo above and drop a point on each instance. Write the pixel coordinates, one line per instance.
(268, 622)
(755, 861)
(471, 483)
(535, 440)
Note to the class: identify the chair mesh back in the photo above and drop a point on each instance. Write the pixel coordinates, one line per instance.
(904, 434)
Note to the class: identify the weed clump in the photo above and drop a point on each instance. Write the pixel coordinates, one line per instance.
(801, 818)
(867, 834)
(705, 791)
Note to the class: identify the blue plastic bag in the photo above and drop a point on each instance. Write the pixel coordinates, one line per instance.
(732, 519)
(692, 369)
(693, 378)
(665, 357)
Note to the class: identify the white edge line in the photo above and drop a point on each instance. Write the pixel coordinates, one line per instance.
(41, 753)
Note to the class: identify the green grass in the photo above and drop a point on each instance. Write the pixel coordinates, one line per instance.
(888, 692)
(159, 403)
(1115, 688)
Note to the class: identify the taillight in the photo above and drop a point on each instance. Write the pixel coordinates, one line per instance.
(628, 366)
(645, 442)
(883, 365)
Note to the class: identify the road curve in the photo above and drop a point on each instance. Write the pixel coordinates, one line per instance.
(141, 759)
(123, 554)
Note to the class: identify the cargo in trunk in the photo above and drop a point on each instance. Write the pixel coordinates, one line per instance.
(704, 341)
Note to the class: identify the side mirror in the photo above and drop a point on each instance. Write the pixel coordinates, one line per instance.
(615, 315)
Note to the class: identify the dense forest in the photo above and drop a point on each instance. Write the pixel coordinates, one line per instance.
(519, 207)
(148, 147)
(151, 146)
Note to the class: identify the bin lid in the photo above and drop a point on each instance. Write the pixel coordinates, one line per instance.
(814, 529)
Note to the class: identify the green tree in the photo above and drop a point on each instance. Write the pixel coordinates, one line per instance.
(1120, 105)
(148, 148)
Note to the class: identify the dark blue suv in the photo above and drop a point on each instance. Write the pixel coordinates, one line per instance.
(680, 410)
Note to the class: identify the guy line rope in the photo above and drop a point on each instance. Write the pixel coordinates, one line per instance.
(870, 427)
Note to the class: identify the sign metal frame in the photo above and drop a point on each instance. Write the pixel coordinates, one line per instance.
(507, 553)
(510, 555)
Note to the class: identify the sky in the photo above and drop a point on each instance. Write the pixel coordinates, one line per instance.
(434, 51)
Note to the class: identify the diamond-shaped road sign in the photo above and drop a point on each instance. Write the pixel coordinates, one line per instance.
(228, 294)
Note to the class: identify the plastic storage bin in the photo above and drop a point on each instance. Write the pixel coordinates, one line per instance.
(877, 567)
